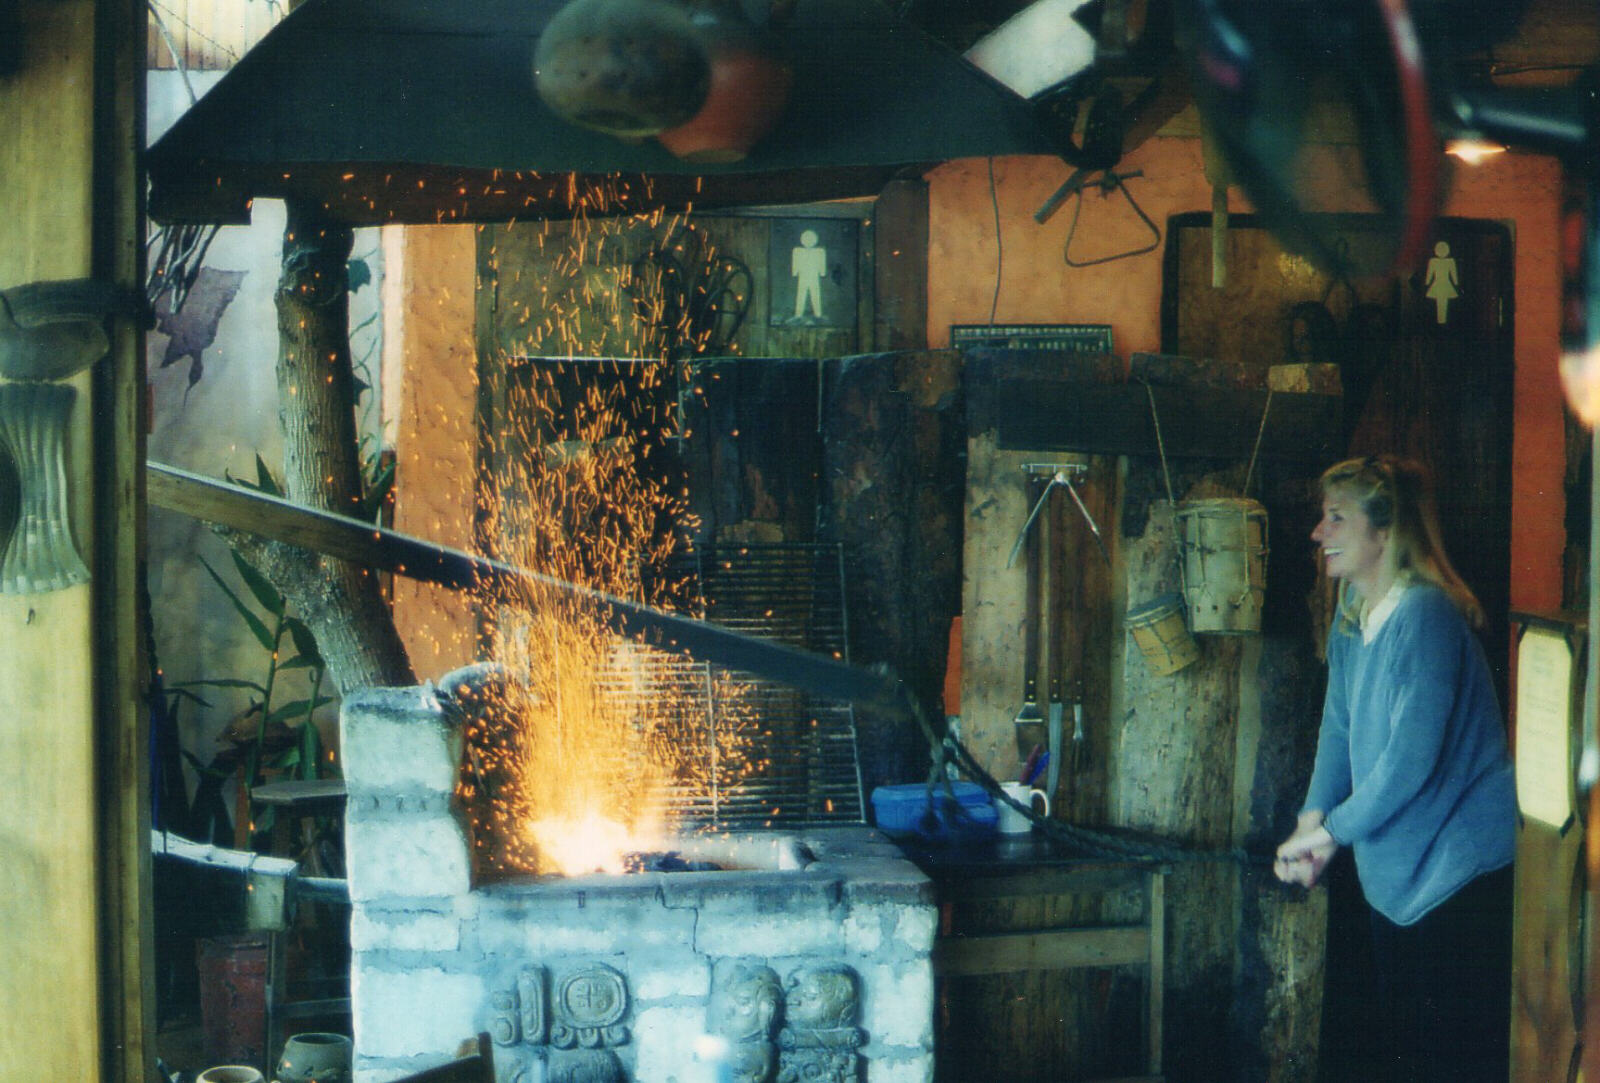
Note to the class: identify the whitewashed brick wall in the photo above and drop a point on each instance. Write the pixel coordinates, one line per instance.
(431, 954)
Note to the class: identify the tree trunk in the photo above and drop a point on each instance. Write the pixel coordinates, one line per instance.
(341, 603)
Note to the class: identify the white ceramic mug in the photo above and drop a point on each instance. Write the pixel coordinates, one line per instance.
(1012, 822)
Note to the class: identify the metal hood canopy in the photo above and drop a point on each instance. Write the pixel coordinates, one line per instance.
(424, 111)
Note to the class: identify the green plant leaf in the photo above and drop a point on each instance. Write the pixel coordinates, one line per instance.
(263, 636)
(285, 711)
(304, 642)
(264, 479)
(378, 490)
(202, 769)
(177, 692)
(224, 682)
(288, 758)
(259, 585)
(296, 662)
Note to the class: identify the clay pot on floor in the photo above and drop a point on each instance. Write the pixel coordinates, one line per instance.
(230, 1073)
(314, 1058)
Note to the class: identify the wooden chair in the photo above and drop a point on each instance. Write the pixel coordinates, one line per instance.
(473, 1068)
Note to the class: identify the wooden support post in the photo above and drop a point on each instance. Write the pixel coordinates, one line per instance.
(74, 954)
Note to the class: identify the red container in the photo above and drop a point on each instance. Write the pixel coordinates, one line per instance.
(233, 999)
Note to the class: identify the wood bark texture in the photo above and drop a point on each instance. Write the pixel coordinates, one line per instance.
(341, 603)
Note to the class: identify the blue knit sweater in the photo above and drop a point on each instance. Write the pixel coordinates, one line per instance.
(1412, 770)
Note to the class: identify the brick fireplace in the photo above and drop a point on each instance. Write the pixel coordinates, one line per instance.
(805, 955)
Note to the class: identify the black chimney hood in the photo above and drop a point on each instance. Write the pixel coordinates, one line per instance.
(424, 111)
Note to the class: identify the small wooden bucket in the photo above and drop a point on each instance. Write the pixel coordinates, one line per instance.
(1224, 563)
(1158, 628)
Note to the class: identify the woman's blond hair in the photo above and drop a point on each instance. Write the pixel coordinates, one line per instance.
(1397, 495)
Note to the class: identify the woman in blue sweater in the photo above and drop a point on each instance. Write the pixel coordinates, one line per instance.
(1413, 775)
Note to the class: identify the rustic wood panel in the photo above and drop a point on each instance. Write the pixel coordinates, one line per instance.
(900, 242)
(122, 653)
(893, 438)
(1213, 756)
(1001, 953)
(71, 754)
(207, 35)
(1547, 994)
(558, 288)
(1042, 1025)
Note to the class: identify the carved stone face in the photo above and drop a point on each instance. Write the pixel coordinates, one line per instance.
(820, 998)
(586, 1066)
(751, 1062)
(744, 1003)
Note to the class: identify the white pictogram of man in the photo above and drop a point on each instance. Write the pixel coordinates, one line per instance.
(1443, 285)
(808, 264)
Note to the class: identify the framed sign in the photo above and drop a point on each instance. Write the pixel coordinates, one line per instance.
(1070, 337)
(811, 272)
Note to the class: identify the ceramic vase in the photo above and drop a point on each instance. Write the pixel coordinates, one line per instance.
(314, 1058)
(230, 1073)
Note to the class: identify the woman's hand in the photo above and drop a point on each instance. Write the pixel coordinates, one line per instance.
(1304, 854)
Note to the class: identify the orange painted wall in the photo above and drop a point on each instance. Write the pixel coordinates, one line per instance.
(429, 340)
(1036, 286)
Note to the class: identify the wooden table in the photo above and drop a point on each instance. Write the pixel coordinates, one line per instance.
(296, 799)
(1035, 949)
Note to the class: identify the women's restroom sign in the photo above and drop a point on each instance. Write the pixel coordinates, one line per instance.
(1442, 281)
(811, 273)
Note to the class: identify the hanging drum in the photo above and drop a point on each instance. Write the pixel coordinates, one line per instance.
(1164, 640)
(1224, 563)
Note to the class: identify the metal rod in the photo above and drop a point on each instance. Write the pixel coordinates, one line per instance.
(373, 546)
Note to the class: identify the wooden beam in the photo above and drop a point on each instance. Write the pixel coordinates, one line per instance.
(1195, 422)
(74, 954)
(1006, 953)
(386, 550)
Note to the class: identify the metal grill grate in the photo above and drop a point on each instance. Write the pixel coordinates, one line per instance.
(801, 765)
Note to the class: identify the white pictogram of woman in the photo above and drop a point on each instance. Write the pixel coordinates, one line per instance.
(1442, 283)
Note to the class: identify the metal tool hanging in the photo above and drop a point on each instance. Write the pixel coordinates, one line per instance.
(1065, 475)
(1046, 542)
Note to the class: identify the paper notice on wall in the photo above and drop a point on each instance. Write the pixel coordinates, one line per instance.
(1544, 727)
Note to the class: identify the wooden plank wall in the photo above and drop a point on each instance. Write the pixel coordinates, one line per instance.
(207, 35)
(1210, 757)
(74, 957)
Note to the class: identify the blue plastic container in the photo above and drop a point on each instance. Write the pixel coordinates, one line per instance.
(964, 810)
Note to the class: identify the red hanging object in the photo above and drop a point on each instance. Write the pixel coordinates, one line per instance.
(750, 84)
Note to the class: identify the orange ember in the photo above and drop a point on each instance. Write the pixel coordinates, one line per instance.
(598, 735)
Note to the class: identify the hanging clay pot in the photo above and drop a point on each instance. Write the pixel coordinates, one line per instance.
(630, 68)
(750, 84)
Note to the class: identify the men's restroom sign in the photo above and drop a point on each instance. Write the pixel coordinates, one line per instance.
(811, 273)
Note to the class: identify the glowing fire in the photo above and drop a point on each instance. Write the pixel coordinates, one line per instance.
(574, 769)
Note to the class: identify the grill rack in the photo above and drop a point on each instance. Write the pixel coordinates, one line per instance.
(809, 770)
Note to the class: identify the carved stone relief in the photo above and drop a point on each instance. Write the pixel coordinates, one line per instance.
(743, 1010)
(573, 1023)
(819, 1038)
